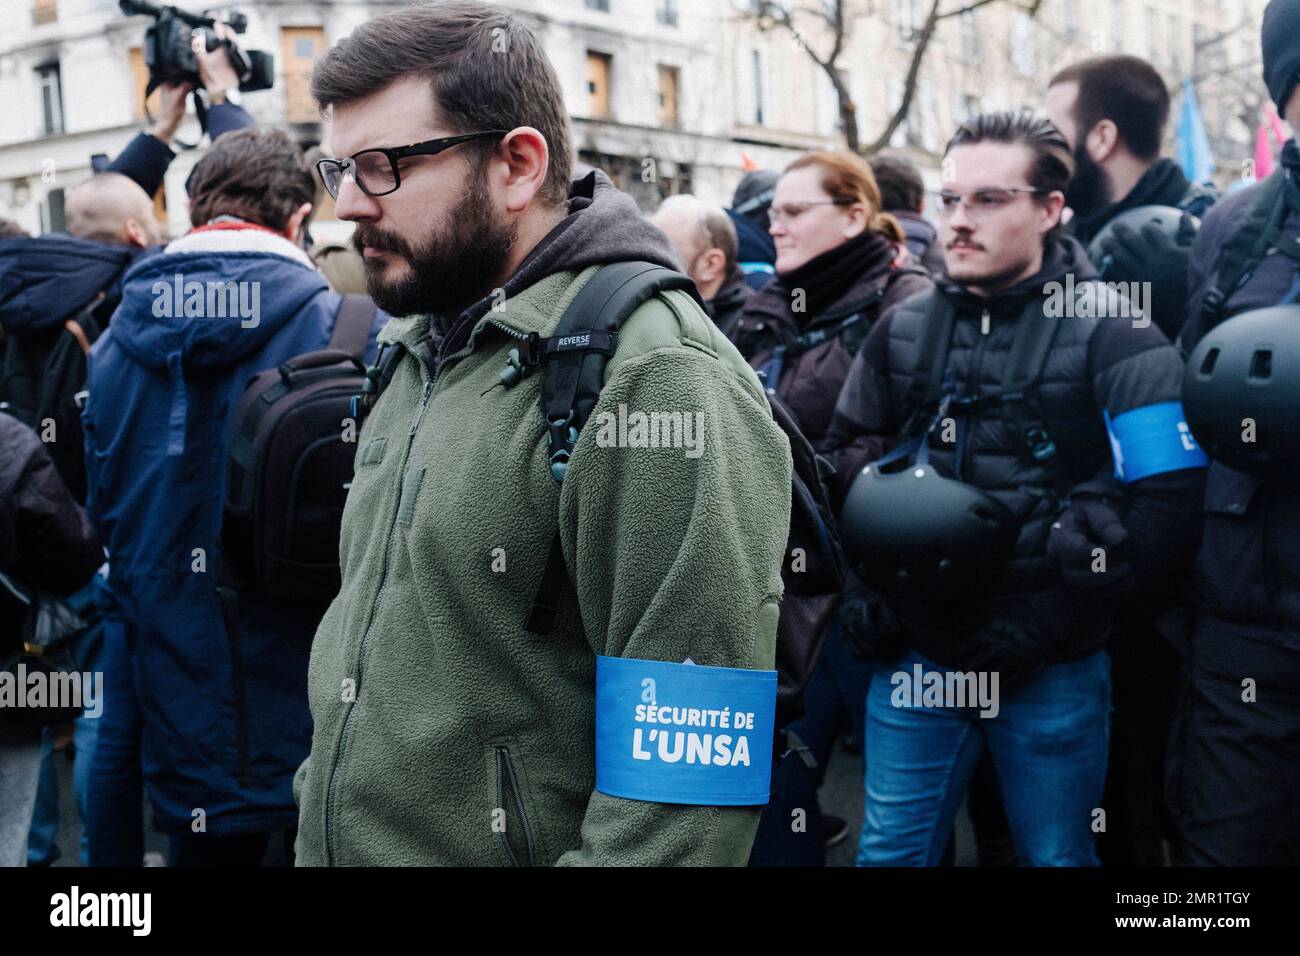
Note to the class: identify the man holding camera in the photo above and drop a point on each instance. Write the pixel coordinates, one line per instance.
(146, 158)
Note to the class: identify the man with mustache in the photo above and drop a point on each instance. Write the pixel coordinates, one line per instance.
(1092, 530)
(1113, 111)
(459, 718)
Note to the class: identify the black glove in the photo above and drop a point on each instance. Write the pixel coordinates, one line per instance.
(869, 626)
(1152, 255)
(1089, 524)
(1007, 648)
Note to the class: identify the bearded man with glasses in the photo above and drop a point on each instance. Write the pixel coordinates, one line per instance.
(486, 597)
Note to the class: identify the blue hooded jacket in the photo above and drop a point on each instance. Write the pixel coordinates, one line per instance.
(225, 718)
(47, 279)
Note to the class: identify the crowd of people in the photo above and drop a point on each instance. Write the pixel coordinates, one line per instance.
(1005, 423)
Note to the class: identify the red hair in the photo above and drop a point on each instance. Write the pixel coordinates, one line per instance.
(847, 178)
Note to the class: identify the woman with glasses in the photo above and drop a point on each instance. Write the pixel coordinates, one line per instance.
(841, 263)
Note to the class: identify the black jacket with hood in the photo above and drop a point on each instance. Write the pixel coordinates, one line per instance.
(45, 284)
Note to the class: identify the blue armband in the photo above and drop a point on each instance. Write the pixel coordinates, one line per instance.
(1152, 440)
(684, 733)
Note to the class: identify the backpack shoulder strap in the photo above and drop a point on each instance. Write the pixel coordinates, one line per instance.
(1030, 348)
(352, 325)
(586, 336)
(933, 346)
(575, 357)
(1025, 364)
(77, 332)
(1247, 245)
(83, 326)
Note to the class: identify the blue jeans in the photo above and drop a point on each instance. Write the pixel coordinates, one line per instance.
(1049, 744)
(42, 850)
(115, 790)
(87, 652)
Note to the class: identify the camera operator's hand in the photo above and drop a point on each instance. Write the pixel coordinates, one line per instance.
(171, 113)
(215, 69)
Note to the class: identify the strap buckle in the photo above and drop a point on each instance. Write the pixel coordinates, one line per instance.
(562, 437)
(1040, 443)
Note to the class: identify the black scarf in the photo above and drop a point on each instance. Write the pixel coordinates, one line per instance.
(826, 278)
(1162, 185)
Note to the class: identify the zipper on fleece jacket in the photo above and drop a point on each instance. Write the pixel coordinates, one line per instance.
(508, 784)
(331, 790)
(430, 375)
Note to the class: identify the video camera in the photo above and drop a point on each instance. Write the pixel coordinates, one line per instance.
(169, 54)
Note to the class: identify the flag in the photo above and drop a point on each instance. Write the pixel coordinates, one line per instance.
(1263, 153)
(746, 164)
(1194, 152)
(1270, 132)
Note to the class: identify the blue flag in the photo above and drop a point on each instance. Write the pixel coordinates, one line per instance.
(1194, 152)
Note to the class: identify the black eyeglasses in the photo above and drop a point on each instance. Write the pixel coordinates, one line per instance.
(376, 170)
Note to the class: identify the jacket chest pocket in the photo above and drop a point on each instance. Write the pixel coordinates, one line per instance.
(1280, 527)
(1230, 572)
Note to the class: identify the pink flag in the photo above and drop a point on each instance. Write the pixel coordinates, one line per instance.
(1263, 153)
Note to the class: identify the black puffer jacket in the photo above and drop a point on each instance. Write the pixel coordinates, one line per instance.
(1095, 365)
(1247, 580)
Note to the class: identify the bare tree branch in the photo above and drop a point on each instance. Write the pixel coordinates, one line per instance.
(770, 15)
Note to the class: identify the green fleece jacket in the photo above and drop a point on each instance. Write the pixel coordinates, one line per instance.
(444, 732)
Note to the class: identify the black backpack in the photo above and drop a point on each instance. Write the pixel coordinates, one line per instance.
(290, 466)
(41, 379)
(574, 360)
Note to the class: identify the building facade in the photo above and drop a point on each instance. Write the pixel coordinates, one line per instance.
(666, 95)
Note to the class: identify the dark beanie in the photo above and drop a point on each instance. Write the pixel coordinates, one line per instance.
(1281, 46)
(756, 185)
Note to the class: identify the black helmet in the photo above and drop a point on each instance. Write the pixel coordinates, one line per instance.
(1168, 219)
(916, 531)
(1241, 391)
